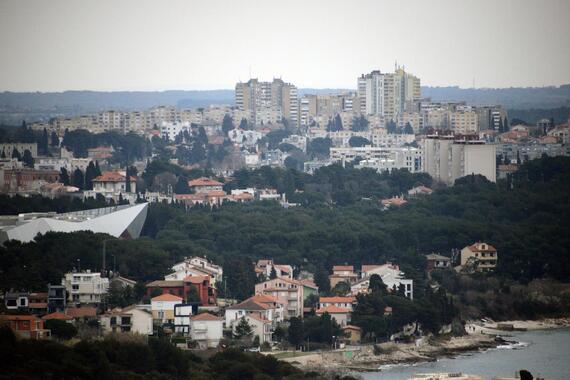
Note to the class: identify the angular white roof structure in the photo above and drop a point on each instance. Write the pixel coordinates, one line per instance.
(119, 221)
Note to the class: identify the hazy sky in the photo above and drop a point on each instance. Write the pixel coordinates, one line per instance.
(53, 45)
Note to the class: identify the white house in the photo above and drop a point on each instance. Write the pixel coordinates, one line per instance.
(134, 319)
(206, 330)
(85, 287)
(391, 276)
(260, 326)
(263, 306)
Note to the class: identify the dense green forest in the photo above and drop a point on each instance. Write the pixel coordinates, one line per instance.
(131, 359)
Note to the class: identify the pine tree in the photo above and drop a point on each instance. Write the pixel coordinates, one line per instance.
(97, 169)
(3, 155)
(242, 329)
(296, 331)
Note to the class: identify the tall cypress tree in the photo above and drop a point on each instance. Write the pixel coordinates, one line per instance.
(128, 180)
(43, 145)
(78, 179)
(16, 154)
(89, 176)
(54, 139)
(64, 177)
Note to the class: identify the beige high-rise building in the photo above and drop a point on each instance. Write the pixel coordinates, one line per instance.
(463, 122)
(388, 94)
(276, 97)
(447, 158)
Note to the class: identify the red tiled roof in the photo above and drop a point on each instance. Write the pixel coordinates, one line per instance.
(18, 317)
(337, 299)
(196, 279)
(167, 297)
(111, 177)
(57, 315)
(343, 267)
(249, 304)
(351, 327)
(477, 248)
(333, 310)
(205, 317)
(165, 284)
(80, 312)
(204, 181)
(394, 201)
(258, 318)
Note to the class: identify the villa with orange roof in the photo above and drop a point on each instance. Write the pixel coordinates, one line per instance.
(113, 183)
(204, 184)
(342, 302)
(26, 326)
(482, 254)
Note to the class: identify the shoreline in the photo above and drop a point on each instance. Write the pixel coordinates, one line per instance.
(362, 358)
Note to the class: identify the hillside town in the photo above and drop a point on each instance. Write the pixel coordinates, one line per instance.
(385, 125)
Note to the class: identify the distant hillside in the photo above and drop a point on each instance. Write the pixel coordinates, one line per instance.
(33, 106)
(511, 98)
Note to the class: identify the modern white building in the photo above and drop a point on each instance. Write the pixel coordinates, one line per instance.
(85, 287)
(391, 275)
(182, 315)
(169, 130)
(381, 158)
(118, 221)
(162, 308)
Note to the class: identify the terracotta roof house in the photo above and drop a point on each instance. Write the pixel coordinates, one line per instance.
(26, 326)
(340, 314)
(203, 184)
(482, 255)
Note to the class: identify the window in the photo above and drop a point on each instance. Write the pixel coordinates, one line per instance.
(113, 321)
(74, 287)
(22, 302)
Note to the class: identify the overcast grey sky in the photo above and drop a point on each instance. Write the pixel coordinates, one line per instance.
(54, 45)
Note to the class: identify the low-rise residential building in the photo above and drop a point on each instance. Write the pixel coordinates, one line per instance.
(393, 202)
(162, 308)
(38, 303)
(82, 313)
(391, 276)
(182, 314)
(26, 326)
(481, 255)
(340, 314)
(261, 327)
(112, 183)
(343, 273)
(266, 267)
(181, 288)
(85, 287)
(131, 319)
(206, 330)
(352, 334)
(261, 305)
(435, 261)
(16, 300)
(204, 184)
(342, 302)
(290, 293)
(420, 190)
